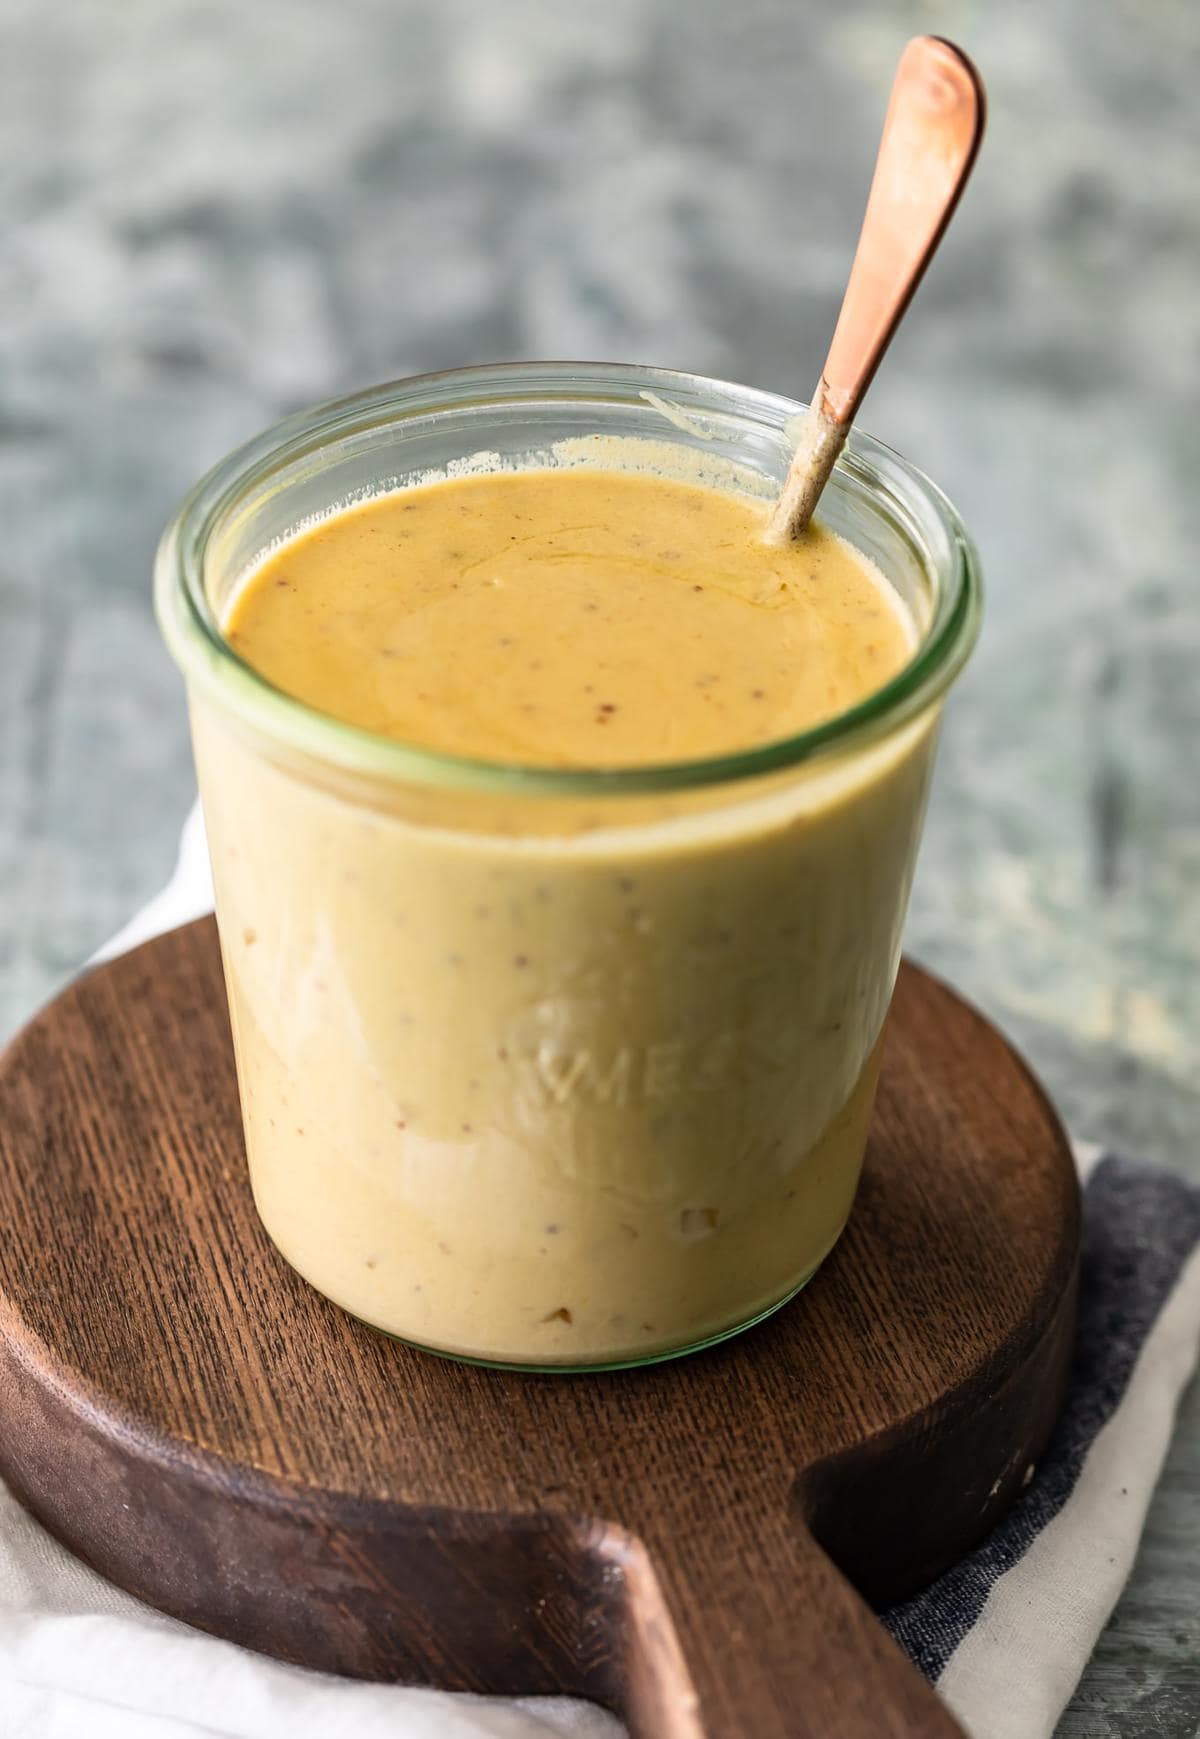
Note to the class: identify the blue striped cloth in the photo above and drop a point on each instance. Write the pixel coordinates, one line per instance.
(1006, 1633)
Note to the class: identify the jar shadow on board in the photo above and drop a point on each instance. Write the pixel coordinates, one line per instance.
(637, 1138)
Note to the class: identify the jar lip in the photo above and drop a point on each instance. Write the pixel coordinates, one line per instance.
(194, 637)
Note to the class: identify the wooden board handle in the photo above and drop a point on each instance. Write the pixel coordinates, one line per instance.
(725, 1639)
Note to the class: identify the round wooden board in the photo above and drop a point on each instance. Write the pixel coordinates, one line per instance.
(683, 1543)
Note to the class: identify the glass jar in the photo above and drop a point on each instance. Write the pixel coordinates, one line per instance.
(541, 1067)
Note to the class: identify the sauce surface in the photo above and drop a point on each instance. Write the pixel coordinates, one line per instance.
(575, 618)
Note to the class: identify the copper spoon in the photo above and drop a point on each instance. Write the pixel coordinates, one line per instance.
(930, 137)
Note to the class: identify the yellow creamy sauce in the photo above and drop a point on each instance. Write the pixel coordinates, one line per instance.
(576, 618)
(565, 1096)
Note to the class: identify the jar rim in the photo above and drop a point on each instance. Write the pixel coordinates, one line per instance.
(193, 634)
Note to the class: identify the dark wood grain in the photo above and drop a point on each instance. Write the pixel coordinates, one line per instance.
(193, 1419)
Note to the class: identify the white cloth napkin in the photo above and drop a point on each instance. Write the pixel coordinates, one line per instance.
(1004, 1635)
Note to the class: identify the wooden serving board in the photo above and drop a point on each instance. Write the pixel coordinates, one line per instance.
(696, 1544)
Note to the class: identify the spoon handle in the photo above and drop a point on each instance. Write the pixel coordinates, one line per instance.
(930, 137)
